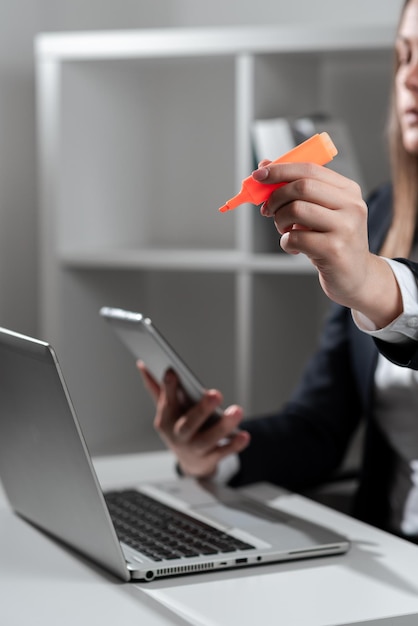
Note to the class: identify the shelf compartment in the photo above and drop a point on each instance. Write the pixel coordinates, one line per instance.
(144, 161)
(196, 314)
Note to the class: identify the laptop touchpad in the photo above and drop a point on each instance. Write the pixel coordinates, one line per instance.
(233, 515)
(265, 523)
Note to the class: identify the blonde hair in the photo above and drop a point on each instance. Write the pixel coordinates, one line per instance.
(404, 168)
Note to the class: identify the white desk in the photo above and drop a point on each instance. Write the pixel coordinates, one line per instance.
(44, 583)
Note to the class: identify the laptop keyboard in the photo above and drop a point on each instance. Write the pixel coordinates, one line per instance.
(161, 532)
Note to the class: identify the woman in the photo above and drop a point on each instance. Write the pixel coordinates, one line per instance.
(322, 214)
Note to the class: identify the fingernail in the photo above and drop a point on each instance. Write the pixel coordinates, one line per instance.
(261, 173)
(264, 209)
(213, 397)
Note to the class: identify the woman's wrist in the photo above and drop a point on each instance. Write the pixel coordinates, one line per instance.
(380, 299)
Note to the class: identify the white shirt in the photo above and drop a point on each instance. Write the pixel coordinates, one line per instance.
(404, 326)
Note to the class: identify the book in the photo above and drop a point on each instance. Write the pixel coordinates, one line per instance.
(273, 137)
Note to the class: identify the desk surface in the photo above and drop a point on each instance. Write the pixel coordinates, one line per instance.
(42, 582)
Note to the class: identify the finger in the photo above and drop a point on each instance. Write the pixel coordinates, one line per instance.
(225, 429)
(288, 172)
(168, 406)
(149, 381)
(234, 445)
(204, 465)
(318, 247)
(346, 218)
(346, 222)
(189, 424)
(304, 215)
(310, 190)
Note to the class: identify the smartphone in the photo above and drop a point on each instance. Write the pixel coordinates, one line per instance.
(146, 343)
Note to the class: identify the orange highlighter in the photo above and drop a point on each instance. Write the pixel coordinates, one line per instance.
(317, 149)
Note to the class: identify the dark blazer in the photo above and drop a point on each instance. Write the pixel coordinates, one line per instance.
(303, 444)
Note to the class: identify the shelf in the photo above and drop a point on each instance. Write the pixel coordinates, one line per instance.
(142, 136)
(171, 260)
(161, 43)
(187, 260)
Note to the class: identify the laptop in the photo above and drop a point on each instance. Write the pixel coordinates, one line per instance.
(49, 479)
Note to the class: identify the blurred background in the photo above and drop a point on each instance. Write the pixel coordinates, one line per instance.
(196, 305)
(21, 21)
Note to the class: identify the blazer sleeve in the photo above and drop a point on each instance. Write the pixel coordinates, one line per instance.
(301, 445)
(405, 354)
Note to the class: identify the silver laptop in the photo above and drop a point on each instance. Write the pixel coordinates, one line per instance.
(150, 531)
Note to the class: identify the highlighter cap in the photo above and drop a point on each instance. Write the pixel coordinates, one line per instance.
(329, 145)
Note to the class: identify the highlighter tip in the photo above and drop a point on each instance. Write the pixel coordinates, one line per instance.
(232, 203)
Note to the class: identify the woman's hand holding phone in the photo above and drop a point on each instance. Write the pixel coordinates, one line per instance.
(181, 426)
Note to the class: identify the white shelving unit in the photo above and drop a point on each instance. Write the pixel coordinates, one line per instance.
(142, 136)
